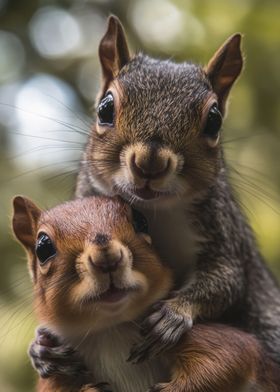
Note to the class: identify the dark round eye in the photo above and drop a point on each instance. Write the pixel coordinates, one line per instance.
(44, 248)
(140, 223)
(214, 122)
(105, 110)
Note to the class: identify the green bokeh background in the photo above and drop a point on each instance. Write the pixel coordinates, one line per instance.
(181, 29)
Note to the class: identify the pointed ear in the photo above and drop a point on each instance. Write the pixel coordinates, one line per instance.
(25, 221)
(224, 68)
(113, 51)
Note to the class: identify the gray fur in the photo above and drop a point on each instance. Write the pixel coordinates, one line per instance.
(230, 282)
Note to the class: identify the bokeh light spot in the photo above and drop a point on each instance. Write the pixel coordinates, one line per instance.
(54, 32)
(12, 57)
(47, 109)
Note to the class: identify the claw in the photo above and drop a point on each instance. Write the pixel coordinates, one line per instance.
(161, 330)
(50, 356)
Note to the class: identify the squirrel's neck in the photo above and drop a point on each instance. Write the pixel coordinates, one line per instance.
(106, 353)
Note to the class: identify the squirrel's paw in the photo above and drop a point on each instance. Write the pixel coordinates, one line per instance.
(50, 356)
(162, 329)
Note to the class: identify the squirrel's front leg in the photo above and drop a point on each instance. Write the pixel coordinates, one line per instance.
(216, 286)
(59, 366)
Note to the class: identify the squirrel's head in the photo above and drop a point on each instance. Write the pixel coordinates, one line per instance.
(157, 131)
(90, 265)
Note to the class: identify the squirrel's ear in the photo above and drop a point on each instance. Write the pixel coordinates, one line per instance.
(113, 50)
(25, 220)
(224, 68)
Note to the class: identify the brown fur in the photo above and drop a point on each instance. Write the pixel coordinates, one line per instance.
(58, 384)
(219, 358)
(209, 358)
(73, 226)
(65, 285)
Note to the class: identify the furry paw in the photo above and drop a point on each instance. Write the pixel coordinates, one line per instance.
(51, 356)
(162, 329)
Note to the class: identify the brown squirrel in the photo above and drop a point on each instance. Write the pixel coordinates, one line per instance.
(157, 143)
(94, 274)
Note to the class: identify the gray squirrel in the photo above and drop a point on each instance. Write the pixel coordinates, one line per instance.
(156, 143)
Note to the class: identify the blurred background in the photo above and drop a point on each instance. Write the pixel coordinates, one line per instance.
(49, 75)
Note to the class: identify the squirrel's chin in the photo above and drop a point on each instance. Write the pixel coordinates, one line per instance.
(159, 199)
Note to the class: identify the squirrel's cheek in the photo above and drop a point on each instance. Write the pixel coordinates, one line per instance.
(140, 281)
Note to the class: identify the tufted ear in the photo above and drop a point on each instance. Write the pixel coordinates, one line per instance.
(25, 220)
(113, 51)
(224, 68)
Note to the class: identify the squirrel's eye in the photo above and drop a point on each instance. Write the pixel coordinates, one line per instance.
(214, 122)
(140, 223)
(44, 248)
(105, 110)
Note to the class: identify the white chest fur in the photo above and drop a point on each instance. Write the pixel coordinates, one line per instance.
(106, 355)
(174, 239)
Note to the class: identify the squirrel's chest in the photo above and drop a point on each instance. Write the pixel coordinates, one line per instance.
(175, 239)
(106, 356)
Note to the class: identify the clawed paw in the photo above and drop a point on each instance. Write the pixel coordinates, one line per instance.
(161, 330)
(51, 356)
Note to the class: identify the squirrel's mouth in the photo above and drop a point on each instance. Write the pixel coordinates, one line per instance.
(145, 193)
(111, 296)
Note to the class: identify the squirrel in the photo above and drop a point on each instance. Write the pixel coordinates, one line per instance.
(94, 273)
(156, 143)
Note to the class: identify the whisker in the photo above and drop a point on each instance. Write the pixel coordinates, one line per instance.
(70, 110)
(32, 171)
(47, 138)
(64, 123)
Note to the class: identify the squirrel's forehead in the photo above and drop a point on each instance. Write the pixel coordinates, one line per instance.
(84, 217)
(161, 79)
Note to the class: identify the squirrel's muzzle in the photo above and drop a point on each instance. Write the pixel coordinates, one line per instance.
(104, 255)
(150, 161)
(150, 168)
(105, 260)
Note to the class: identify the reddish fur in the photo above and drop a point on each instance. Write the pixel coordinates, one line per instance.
(209, 358)
(218, 358)
(59, 385)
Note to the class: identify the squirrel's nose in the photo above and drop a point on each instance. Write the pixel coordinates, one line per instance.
(151, 167)
(106, 257)
(105, 264)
